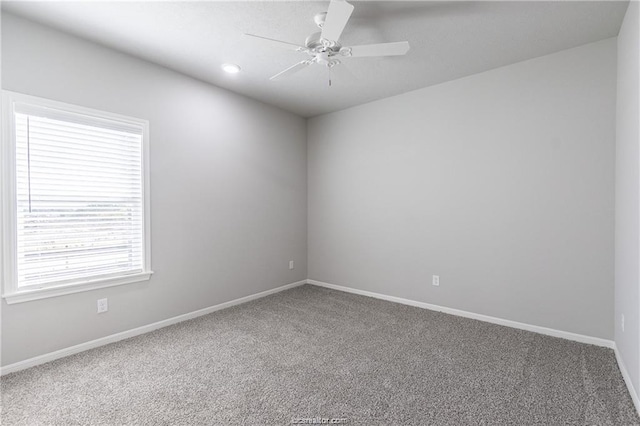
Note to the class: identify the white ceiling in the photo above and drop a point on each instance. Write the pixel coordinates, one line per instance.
(448, 40)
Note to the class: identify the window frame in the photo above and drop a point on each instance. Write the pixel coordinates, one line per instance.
(8, 231)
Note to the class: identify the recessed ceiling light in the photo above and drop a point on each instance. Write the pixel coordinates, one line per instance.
(231, 68)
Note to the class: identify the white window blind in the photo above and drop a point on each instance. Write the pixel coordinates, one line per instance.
(79, 198)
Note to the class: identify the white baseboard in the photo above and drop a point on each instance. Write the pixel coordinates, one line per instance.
(508, 323)
(627, 379)
(41, 359)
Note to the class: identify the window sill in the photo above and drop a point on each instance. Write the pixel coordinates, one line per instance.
(43, 293)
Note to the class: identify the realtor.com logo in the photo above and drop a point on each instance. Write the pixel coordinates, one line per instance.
(318, 421)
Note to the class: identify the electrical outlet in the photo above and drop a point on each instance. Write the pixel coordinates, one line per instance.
(103, 305)
(622, 322)
(291, 264)
(436, 280)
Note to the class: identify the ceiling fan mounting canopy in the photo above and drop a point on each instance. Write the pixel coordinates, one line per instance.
(324, 46)
(320, 18)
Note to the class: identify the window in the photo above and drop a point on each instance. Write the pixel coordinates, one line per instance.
(75, 199)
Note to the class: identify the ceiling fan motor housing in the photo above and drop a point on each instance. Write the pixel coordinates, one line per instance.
(316, 43)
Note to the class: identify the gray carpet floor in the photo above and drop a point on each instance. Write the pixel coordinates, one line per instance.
(313, 353)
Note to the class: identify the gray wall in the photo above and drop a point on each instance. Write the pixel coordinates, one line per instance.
(627, 233)
(502, 183)
(228, 189)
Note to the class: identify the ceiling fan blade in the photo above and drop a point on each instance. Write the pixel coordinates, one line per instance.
(291, 70)
(382, 49)
(276, 43)
(337, 16)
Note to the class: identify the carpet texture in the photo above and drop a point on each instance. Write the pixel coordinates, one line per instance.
(310, 353)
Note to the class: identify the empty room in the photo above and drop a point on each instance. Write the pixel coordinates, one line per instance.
(320, 212)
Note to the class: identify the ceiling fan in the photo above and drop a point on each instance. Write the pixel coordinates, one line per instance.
(324, 47)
